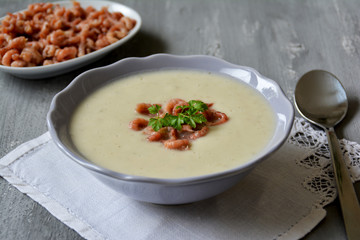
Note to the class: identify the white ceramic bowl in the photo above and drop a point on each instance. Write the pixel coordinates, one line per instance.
(67, 66)
(159, 190)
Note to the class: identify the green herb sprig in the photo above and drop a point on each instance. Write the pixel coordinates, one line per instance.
(189, 114)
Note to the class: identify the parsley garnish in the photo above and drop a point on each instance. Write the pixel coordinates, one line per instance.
(189, 114)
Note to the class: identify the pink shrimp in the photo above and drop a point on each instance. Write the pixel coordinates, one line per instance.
(129, 23)
(138, 124)
(111, 37)
(19, 63)
(45, 30)
(4, 39)
(143, 108)
(215, 117)
(101, 41)
(57, 37)
(199, 133)
(81, 50)
(177, 144)
(30, 54)
(154, 137)
(49, 51)
(172, 103)
(48, 62)
(66, 54)
(26, 54)
(17, 43)
(7, 58)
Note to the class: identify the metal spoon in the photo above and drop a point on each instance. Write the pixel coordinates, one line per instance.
(321, 99)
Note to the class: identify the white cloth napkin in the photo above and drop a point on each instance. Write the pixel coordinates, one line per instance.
(281, 199)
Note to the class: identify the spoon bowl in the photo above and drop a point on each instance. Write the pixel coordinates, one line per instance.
(321, 99)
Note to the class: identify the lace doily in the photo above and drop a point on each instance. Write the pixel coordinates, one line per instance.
(322, 181)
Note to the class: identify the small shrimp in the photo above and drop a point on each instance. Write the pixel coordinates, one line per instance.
(17, 43)
(59, 11)
(177, 110)
(148, 130)
(129, 23)
(117, 15)
(90, 9)
(111, 37)
(37, 45)
(154, 137)
(19, 26)
(177, 144)
(4, 39)
(187, 128)
(7, 58)
(15, 57)
(81, 50)
(57, 24)
(57, 37)
(215, 117)
(66, 54)
(48, 62)
(77, 10)
(170, 105)
(118, 26)
(90, 43)
(45, 30)
(19, 63)
(168, 133)
(120, 34)
(73, 40)
(200, 133)
(186, 132)
(143, 108)
(138, 124)
(28, 28)
(49, 51)
(31, 55)
(162, 134)
(26, 54)
(101, 41)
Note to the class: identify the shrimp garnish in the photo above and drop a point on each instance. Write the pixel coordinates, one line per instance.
(138, 124)
(215, 117)
(143, 108)
(200, 133)
(178, 144)
(169, 129)
(173, 103)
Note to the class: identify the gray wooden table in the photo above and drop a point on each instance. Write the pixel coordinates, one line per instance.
(281, 39)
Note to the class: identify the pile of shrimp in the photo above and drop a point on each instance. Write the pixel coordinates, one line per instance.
(169, 136)
(46, 34)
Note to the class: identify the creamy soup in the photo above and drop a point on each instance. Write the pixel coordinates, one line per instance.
(99, 127)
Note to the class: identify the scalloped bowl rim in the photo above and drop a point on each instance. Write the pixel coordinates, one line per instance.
(171, 181)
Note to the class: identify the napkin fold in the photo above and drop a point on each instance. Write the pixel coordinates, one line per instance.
(282, 198)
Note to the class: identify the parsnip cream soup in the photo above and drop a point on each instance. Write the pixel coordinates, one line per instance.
(99, 127)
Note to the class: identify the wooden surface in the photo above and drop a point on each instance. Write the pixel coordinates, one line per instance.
(281, 39)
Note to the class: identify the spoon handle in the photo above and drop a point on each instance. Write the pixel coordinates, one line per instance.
(348, 200)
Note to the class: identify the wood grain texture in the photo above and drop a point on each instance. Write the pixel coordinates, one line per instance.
(281, 39)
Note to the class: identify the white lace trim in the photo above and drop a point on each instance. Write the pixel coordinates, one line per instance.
(322, 181)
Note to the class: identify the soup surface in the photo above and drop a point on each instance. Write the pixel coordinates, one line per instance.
(99, 127)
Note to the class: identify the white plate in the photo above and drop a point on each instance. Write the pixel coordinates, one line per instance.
(67, 66)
